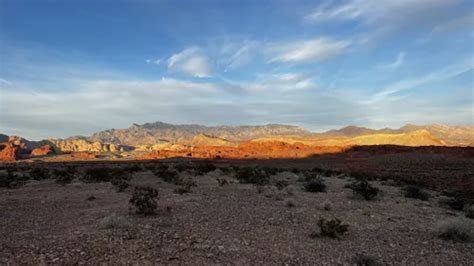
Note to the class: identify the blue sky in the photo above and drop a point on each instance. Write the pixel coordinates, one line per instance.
(76, 67)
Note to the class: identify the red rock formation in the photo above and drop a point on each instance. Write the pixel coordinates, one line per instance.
(43, 150)
(249, 150)
(10, 153)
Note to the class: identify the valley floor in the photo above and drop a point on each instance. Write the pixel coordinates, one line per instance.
(45, 222)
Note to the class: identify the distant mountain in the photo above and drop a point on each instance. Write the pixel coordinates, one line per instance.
(450, 135)
(159, 132)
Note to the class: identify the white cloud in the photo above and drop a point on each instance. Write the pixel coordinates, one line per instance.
(376, 11)
(395, 64)
(307, 51)
(191, 61)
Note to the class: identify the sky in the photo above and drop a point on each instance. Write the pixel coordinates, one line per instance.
(75, 67)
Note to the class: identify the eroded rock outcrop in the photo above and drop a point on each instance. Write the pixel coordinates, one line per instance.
(43, 150)
(82, 145)
(10, 152)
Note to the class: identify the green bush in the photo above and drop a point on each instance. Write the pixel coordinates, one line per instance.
(9, 180)
(204, 168)
(416, 192)
(144, 200)
(315, 185)
(330, 228)
(365, 189)
(252, 175)
(169, 176)
(64, 176)
(39, 173)
(120, 183)
(95, 175)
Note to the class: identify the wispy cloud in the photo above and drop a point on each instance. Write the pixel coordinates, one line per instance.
(395, 64)
(437, 75)
(154, 61)
(191, 61)
(307, 51)
(375, 11)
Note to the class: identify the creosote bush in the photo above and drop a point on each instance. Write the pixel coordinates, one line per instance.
(470, 211)
(315, 185)
(363, 260)
(64, 176)
(9, 180)
(204, 168)
(39, 173)
(416, 192)
(95, 175)
(120, 183)
(456, 229)
(365, 189)
(144, 200)
(252, 175)
(330, 228)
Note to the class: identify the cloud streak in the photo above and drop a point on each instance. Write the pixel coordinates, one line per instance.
(307, 51)
(191, 61)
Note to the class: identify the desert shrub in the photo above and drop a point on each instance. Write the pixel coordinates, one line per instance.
(271, 170)
(39, 173)
(222, 181)
(365, 189)
(362, 175)
(326, 205)
(281, 184)
(330, 228)
(315, 185)
(9, 180)
(133, 168)
(252, 175)
(452, 202)
(144, 200)
(325, 172)
(470, 211)
(309, 175)
(114, 221)
(227, 170)
(95, 175)
(181, 167)
(169, 176)
(456, 229)
(120, 183)
(290, 203)
(64, 176)
(185, 186)
(363, 260)
(415, 192)
(204, 168)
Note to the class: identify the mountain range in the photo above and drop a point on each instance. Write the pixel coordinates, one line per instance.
(163, 136)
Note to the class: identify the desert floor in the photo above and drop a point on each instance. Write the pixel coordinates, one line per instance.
(45, 222)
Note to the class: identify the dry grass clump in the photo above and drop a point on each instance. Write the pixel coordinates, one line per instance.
(415, 192)
(456, 229)
(114, 221)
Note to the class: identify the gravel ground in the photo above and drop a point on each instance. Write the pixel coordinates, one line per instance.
(43, 223)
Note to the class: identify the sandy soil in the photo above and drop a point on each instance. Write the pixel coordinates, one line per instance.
(43, 222)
